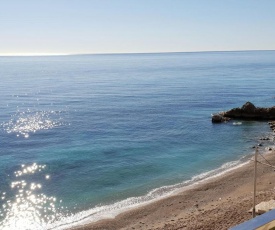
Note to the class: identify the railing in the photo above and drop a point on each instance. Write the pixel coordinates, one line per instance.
(265, 221)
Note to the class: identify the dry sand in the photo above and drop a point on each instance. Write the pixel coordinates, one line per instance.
(219, 203)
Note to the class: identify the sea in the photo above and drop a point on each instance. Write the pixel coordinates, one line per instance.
(85, 137)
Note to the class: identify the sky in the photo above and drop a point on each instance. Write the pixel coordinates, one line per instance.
(135, 26)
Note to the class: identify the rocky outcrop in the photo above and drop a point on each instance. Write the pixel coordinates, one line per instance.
(218, 118)
(272, 125)
(249, 111)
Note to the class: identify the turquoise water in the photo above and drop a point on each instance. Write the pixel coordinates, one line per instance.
(81, 133)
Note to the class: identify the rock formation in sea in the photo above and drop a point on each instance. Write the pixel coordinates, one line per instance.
(217, 118)
(250, 111)
(247, 111)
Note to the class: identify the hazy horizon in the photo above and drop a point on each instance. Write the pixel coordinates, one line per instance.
(72, 54)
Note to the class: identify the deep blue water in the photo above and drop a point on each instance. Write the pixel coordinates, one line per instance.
(103, 128)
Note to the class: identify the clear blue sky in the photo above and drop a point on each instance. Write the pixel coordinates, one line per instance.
(135, 26)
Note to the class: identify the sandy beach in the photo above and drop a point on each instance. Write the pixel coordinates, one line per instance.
(218, 203)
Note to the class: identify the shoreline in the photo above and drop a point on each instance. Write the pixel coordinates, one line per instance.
(110, 211)
(202, 203)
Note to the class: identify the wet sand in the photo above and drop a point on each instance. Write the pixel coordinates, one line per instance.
(218, 203)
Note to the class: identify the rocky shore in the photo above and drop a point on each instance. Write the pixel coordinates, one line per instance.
(272, 125)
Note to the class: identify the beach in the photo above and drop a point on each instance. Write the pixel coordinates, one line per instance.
(219, 203)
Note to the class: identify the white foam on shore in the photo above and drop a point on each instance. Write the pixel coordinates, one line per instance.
(111, 211)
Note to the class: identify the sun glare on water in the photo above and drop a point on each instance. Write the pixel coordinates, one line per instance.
(25, 123)
(25, 206)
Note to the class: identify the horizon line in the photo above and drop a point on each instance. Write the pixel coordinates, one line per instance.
(79, 54)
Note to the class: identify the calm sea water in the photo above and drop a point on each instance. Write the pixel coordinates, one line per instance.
(87, 136)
